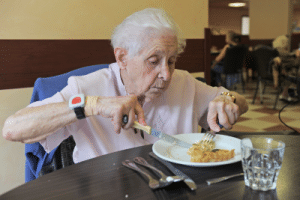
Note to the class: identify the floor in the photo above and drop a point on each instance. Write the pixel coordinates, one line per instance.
(263, 117)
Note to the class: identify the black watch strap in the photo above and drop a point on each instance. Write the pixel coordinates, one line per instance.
(79, 111)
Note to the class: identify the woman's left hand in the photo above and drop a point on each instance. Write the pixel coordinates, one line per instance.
(222, 110)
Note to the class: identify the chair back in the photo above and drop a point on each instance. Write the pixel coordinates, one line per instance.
(262, 58)
(234, 59)
(35, 155)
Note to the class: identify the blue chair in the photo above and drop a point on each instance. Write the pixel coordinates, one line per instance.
(35, 155)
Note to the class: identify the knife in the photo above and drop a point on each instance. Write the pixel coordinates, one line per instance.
(159, 134)
(176, 171)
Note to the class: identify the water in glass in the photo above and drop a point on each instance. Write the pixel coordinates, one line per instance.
(262, 161)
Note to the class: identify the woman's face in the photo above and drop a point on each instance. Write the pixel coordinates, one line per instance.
(149, 73)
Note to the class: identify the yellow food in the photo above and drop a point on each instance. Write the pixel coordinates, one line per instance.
(198, 155)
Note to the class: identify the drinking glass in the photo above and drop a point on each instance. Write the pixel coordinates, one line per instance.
(262, 160)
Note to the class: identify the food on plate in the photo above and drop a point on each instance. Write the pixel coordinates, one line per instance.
(205, 146)
(199, 155)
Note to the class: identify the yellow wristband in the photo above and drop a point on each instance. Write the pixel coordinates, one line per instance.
(91, 101)
(228, 94)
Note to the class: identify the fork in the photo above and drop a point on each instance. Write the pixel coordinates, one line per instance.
(153, 184)
(164, 180)
(206, 142)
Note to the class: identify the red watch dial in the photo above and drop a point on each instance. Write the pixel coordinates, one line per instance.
(76, 100)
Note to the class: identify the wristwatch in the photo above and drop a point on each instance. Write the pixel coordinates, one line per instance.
(228, 94)
(77, 103)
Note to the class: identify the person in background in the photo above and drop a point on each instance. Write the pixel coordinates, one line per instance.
(217, 67)
(142, 84)
(281, 44)
(286, 64)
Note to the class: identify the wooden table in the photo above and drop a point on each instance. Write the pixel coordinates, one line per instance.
(106, 178)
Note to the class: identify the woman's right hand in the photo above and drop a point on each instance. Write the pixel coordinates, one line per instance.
(115, 108)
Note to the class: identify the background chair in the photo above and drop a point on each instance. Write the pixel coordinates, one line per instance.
(295, 80)
(233, 66)
(262, 58)
(38, 162)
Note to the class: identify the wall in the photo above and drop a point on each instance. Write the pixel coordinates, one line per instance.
(296, 19)
(69, 19)
(90, 19)
(223, 19)
(12, 154)
(269, 20)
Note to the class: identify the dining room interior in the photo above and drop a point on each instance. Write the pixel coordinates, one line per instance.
(55, 37)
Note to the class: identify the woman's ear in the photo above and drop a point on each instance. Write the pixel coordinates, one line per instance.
(121, 56)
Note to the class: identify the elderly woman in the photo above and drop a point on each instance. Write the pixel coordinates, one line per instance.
(143, 84)
(286, 64)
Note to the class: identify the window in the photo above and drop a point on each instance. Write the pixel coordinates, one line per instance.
(245, 25)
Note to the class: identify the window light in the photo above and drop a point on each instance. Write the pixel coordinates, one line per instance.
(237, 4)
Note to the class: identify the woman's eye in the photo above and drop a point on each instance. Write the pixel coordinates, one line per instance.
(153, 61)
(171, 62)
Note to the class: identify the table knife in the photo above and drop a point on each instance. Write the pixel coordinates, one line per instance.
(188, 181)
(159, 134)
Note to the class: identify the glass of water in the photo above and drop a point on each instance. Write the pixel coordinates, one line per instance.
(262, 160)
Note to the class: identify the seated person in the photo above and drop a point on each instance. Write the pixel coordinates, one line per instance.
(142, 84)
(281, 44)
(286, 64)
(217, 68)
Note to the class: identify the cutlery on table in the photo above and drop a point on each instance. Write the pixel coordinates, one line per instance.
(206, 143)
(159, 134)
(190, 183)
(153, 184)
(217, 180)
(164, 180)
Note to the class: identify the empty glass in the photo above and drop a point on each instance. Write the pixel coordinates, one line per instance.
(262, 160)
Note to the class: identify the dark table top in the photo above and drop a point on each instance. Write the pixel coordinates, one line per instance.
(105, 177)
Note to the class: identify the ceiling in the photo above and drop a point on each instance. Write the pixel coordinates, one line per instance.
(224, 3)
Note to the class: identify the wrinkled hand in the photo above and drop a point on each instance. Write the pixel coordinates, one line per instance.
(222, 110)
(115, 108)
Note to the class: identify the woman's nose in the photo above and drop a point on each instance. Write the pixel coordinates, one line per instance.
(165, 73)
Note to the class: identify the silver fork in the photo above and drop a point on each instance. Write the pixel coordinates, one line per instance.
(153, 184)
(164, 180)
(205, 142)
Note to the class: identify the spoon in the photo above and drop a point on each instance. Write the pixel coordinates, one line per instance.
(164, 180)
(153, 184)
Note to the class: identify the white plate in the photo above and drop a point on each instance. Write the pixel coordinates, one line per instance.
(177, 154)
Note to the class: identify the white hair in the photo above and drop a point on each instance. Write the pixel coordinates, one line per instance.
(281, 43)
(130, 34)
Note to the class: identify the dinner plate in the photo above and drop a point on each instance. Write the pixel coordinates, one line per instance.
(177, 154)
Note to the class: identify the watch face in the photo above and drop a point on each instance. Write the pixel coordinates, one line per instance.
(77, 101)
